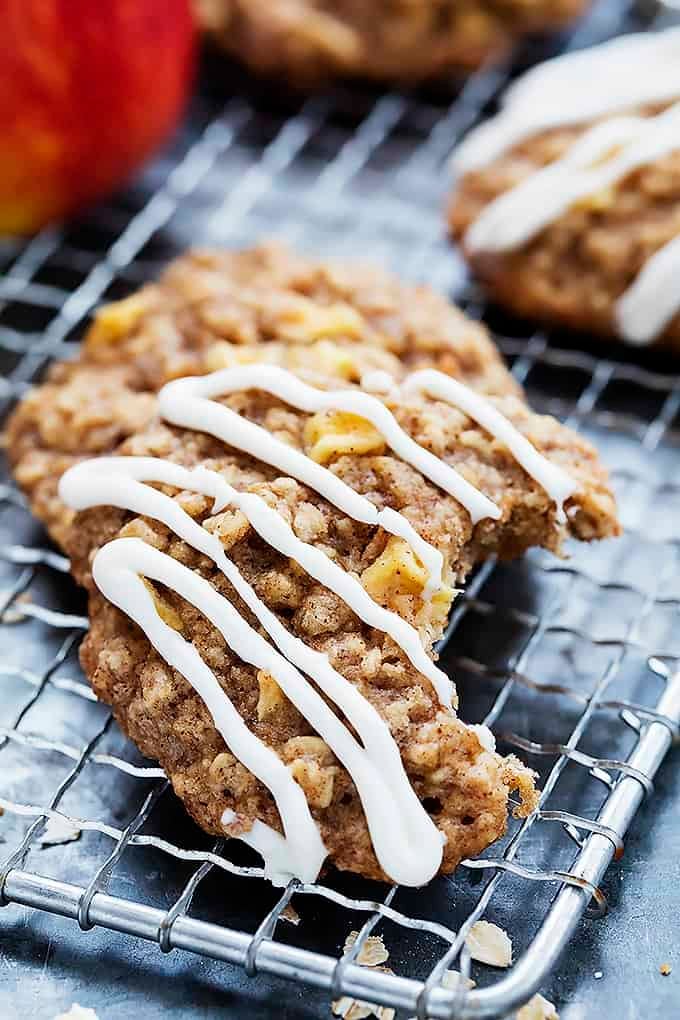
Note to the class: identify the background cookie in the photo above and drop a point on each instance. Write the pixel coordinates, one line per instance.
(567, 204)
(306, 40)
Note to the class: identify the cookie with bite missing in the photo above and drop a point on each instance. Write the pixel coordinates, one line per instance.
(310, 41)
(567, 203)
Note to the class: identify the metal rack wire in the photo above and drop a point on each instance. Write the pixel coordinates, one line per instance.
(574, 663)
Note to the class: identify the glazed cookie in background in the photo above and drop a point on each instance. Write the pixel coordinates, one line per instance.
(567, 203)
(304, 506)
(308, 41)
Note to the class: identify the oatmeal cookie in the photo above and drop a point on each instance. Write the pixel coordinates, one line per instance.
(567, 203)
(174, 542)
(212, 308)
(308, 41)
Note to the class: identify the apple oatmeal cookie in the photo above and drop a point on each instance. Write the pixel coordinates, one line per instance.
(307, 461)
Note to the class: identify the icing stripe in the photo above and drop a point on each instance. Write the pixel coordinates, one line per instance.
(624, 74)
(518, 215)
(269, 844)
(653, 299)
(556, 482)
(189, 402)
(116, 571)
(117, 481)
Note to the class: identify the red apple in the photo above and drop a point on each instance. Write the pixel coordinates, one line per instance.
(90, 88)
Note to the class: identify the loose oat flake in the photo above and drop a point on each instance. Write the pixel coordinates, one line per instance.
(372, 953)
(13, 613)
(58, 830)
(487, 943)
(452, 978)
(355, 1009)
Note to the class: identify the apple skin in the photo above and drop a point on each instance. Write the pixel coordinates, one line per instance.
(90, 88)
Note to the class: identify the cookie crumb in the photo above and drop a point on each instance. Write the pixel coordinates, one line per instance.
(538, 1008)
(58, 830)
(290, 914)
(487, 943)
(665, 969)
(372, 952)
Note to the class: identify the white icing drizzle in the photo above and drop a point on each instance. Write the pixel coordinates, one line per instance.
(406, 841)
(556, 482)
(484, 735)
(269, 844)
(518, 215)
(116, 571)
(118, 481)
(378, 382)
(575, 88)
(653, 299)
(188, 402)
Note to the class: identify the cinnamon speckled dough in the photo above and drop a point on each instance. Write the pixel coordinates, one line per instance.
(210, 308)
(575, 270)
(332, 324)
(390, 40)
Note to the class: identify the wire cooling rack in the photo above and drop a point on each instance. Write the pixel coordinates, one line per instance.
(574, 663)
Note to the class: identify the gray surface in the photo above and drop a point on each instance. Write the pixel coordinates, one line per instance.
(46, 964)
